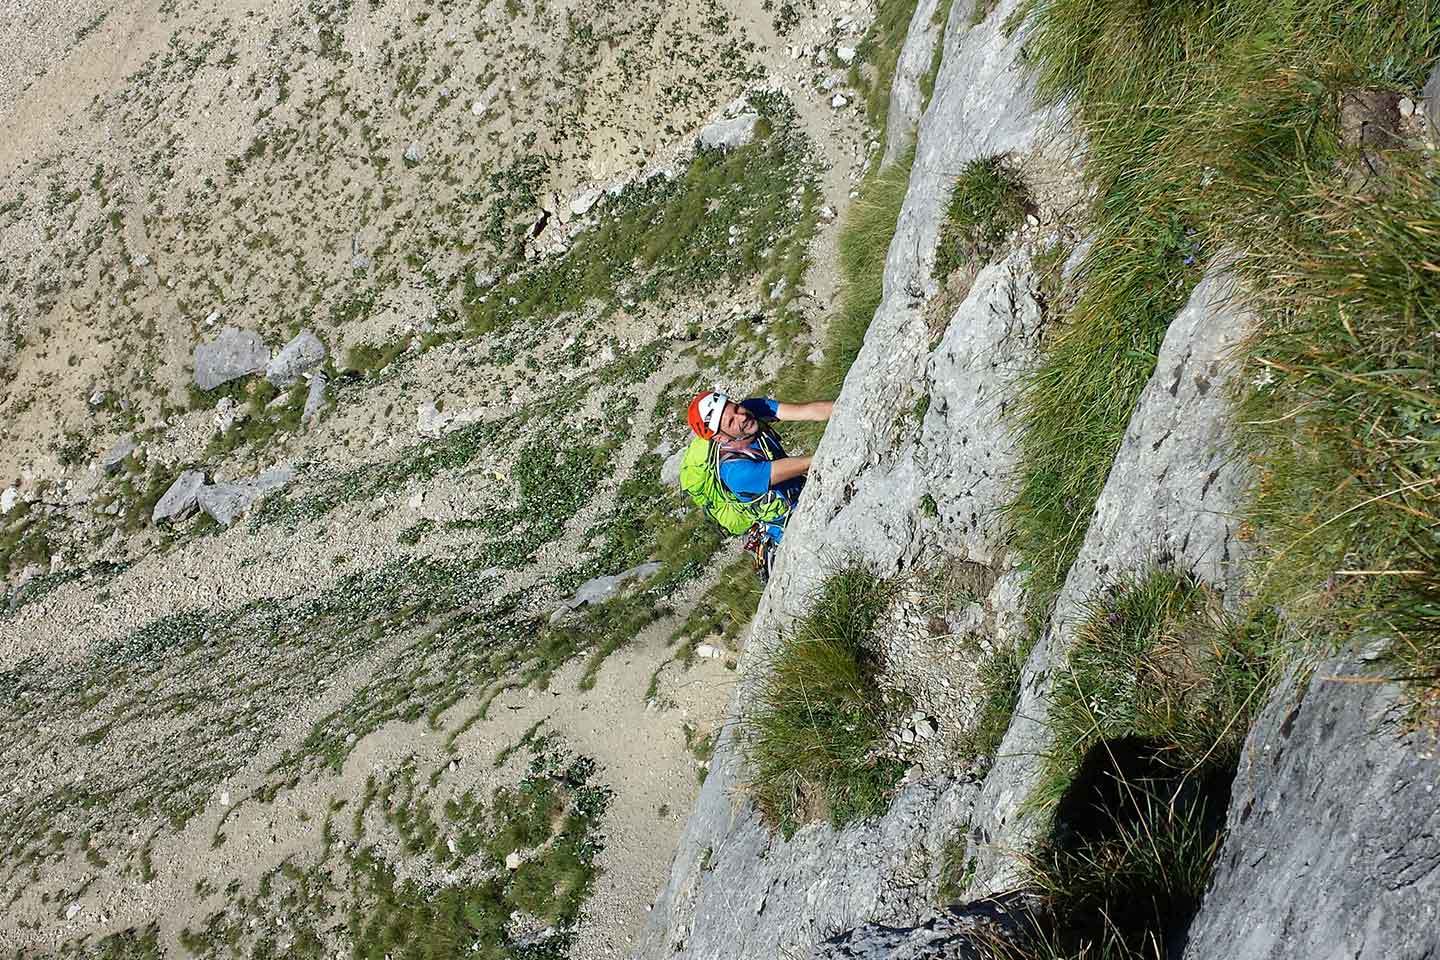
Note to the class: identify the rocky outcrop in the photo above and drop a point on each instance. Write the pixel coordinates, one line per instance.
(907, 99)
(736, 890)
(1173, 493)
(1334, 829)
(981, 930)
(235, 353)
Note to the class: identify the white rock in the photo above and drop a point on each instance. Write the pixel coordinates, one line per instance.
(707, 651)
(513, 860)
(451, 846)
(726, 135)
(417, 500)
(210, 318)
(414, 153)
(477, 108)
(925, 729)
(224, 798)
(839, 101)
(584, 201)
(846, 54)
(429, 420)
(827, 214)
(907, 735)
(11, 496)
(454, 766)
(1407, 107)
(72, 911)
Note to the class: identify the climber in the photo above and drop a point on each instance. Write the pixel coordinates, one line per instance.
(738, 472)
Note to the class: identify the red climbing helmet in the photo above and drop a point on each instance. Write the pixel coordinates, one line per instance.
(705, 411)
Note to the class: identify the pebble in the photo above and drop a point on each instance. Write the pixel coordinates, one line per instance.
(513, 860)
(224, 798)
(839, 101)
(1407, 107)
(846, 54)
(708, 651)
(72, 911)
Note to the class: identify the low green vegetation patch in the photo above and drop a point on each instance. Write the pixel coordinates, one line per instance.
(987, 204)
(1155, 658)
(1270, 131)
(1149, 713)
(878, 55)
(455, 893)
(998, 674)
(816, 730)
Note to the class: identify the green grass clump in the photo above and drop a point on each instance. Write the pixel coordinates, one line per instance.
(1156, 659)
(999, 676)
(987, 205)
(864, 241)
(726, 608)
(814, 734)
(1218, 127)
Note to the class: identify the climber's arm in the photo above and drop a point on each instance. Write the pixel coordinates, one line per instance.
(788, 468)
(815, 410)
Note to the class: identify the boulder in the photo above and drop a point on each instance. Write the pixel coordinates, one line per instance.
(670, 469)
(180, 500)
(314, 399)
(585, 201)
(295, 359)
(274, 478)
(227, 502)
(601, 589)
(114, 458)
(235, 353)
(732, 134)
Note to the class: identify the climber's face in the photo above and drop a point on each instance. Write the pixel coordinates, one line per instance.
(737, 423)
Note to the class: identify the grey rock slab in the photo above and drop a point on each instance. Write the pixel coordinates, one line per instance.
(233, 354)
(274, 478)
(670, 469)
(907, 100)
(179, 501)
(314, 398)
(600, 589)
(114, 458)
(297, 358)
(1174, 491)
(736, 890)
(1333, 844)
(731, 134)
(980, 930)
(227, 502)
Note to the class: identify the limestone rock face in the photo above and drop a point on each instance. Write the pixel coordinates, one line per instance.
(1334, 830)
(235, 353)
(907, 100)
(1174, 492)
(975, 931)
(295, 359)
(736, 890)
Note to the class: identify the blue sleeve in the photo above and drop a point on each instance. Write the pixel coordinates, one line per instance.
(762, 408)
(746, 479)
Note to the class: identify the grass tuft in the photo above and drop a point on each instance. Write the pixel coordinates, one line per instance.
(814, 734)
(987, 204)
